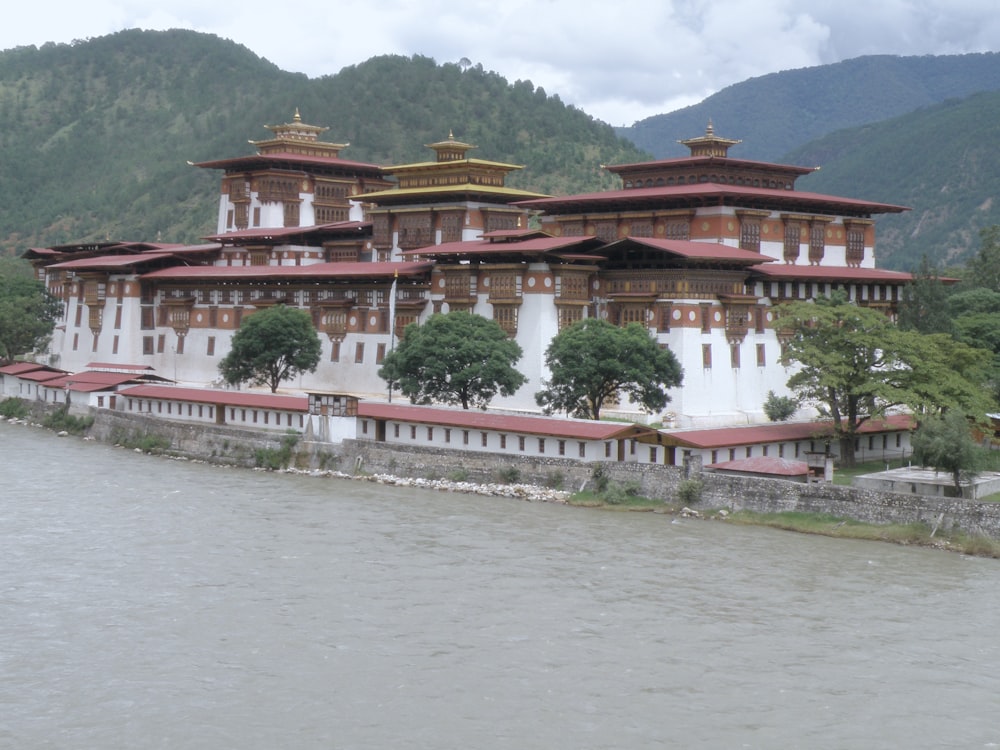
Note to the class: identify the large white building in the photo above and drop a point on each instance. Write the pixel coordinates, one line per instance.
(697, 249)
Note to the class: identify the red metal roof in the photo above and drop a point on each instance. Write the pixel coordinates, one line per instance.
(788, 272)
(22, 367)
(260, 161)
(346, 270)
(90, 381)
(770, 465)
(693, 250)
(475, 419)
(728, 161)
(710, 191)
(778, 432)
(535, 244)
(249, 399)
(271, 233)
(41, 376)
(117, 366)
(112, 261)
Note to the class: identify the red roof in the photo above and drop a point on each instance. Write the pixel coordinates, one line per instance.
(271, 233)
(91, 381)
(117, 366)
(346, 270)
(112, 261)
(777, 432)
(710, 191)
(251, 399)
(21, 367)
(259, 161)
(770, 465)
(789, 272)
(535, 244)
(41, 376)
(693, 250)
(728, 161)
(481, 420)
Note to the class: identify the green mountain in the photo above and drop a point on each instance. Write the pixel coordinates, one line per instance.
(943, 162)
(96, 136)
(776, 113)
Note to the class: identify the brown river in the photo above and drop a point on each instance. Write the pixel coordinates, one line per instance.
(154, 603)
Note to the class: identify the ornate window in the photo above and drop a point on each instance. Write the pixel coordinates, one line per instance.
(817, 243)
(678, 229)
(451, 227)
(415, 230)
(792, 241)
(506, 318)
(855, 245)
(750, 234)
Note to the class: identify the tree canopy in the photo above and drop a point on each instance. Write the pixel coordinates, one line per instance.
(854, 364)
(27, 311)
(456, 358)
(593, 361)
(272, 345)
(945, 443)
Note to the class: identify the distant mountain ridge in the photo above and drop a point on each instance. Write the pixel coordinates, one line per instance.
(96, 136)
(775, 114)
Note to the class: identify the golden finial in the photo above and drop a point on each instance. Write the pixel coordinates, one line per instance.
(297, 117)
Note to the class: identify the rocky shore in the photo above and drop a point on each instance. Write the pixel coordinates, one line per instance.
(527, 492)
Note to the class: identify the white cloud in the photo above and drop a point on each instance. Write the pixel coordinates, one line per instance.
(618, 62)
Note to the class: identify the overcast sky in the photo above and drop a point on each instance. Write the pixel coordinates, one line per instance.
(618, 61)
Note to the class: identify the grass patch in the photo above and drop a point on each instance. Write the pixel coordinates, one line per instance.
(61, 420)
(615, 497)
(844, 528)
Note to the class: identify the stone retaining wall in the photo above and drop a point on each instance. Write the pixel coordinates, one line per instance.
(237, 446)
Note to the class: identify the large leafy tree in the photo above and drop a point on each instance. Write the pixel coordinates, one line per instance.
(854, 364)
(593, 361)
(272, 345)
(27, 311)
(945, 443)
(457, 358)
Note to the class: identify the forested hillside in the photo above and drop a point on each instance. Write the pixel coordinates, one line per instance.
(777, 113)
(942, 162)
(95, 137)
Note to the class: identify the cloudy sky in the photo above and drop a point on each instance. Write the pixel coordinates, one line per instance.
(618, 61)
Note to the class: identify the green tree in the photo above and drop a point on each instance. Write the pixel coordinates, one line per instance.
(854, 364)
(945, 443)
(924, 302)
(593, 361)
(272, 345)
(779, 408)
(984, 268)
(27, 311)
(456, 358)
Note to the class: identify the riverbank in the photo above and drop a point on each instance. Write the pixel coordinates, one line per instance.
(629, 493)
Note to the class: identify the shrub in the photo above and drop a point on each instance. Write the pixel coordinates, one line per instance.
(689, 491)
(600, 477)
(508, 475)
(13, 408)
(555, 480)
(779, 408)
(458, 475)
(62, 421)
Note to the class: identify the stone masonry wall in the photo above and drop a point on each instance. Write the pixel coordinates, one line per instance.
(236, 446)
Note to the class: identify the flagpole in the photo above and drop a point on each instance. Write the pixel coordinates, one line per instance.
(392, 320)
